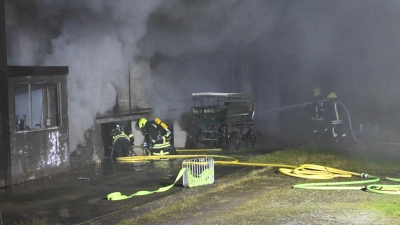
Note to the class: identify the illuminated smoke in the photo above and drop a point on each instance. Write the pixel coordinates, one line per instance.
(96, 39)
(274, 50)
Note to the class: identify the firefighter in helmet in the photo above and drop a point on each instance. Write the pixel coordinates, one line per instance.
(317, 112)
(156, 136)
(122, 143)
(334, 117)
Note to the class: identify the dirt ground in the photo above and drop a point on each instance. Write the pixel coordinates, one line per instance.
(268, 198)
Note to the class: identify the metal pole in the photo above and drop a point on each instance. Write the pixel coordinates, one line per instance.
(129, 82)
(5, 156)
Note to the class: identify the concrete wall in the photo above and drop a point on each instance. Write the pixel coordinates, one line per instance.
(91, 151)
(138, 95)
(134, 100)
(38, 152)
(141, 86)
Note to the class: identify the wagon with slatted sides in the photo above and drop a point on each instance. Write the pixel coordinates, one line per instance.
(224, 119)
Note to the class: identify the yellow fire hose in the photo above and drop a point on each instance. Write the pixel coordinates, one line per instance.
(311, 171)
(118, 196)
(308, 171)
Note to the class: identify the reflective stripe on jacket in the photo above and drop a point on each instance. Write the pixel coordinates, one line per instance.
(121, 135)
(164, 143)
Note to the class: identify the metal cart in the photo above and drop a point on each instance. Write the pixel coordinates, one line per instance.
(224, 119)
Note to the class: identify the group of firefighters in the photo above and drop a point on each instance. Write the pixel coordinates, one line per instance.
(326, 116)
(157, 139)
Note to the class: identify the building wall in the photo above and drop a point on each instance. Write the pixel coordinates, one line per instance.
(91, 151)
(140, 84)
(40, 152)
(133, 102)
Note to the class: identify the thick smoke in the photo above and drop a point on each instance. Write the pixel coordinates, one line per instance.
(277, 51)
(96, 39)
(274, 50)
(201, 46)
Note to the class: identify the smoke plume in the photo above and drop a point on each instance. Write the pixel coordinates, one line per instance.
(96, 39)
(274, 50)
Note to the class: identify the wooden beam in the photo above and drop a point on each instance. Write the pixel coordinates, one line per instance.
(17, 71)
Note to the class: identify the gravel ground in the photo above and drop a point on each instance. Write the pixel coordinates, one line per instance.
(269, 199)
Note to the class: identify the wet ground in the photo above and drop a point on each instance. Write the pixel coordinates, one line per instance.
(79, 196)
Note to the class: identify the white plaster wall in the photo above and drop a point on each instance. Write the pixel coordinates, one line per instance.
(139, 138)
(123, 99)
(141, 84)
(180, 136)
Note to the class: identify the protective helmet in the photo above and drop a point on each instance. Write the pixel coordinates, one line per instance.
(141, 122)
(332, 95)
(317, 91)
(118, 130)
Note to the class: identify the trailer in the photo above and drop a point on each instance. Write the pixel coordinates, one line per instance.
(224, 119)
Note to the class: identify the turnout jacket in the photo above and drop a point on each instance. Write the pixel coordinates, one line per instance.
(156, 136)
(121, 145)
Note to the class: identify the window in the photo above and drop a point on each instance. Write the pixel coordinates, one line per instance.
(37, 105)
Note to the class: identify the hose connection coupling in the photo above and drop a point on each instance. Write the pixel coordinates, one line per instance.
(364, 175)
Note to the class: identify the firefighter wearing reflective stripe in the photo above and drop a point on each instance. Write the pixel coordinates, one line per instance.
(157, 136)
(121, 142)
(317, 111)
(335, 119)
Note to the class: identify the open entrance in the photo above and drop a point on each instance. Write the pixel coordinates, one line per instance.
(106, 129)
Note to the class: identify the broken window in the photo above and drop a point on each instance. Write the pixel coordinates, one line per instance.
(37, 105)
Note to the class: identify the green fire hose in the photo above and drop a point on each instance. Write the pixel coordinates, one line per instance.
(385, 188)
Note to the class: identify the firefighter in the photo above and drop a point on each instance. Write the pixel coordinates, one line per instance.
(334, 118)
(317, 112)
(130, 136)
(156, 136)
(122, 143)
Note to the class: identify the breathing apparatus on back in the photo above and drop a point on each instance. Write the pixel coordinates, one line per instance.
(162, 124)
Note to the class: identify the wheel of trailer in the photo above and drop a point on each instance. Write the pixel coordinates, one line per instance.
(251, 140)
(235, 140)
(199, 139)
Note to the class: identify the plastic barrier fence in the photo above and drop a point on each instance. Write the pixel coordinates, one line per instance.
(198, 172)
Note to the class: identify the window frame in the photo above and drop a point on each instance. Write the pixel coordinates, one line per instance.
(58, 99)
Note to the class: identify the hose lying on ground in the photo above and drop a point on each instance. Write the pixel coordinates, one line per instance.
(311, 171)
(384, 188)
(308, 171)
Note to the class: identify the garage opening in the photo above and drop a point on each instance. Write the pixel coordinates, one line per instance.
(106, 129)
